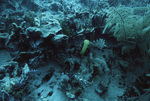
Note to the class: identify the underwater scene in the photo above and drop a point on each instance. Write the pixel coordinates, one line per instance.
(74, 50)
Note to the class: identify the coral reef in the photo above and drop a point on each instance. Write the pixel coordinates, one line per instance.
(74, 50)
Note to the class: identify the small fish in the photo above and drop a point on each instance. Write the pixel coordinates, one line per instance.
(8, 60)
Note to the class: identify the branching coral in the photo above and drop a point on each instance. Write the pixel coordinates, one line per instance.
(130, 27)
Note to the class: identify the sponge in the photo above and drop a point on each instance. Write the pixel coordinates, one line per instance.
(86, 43)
